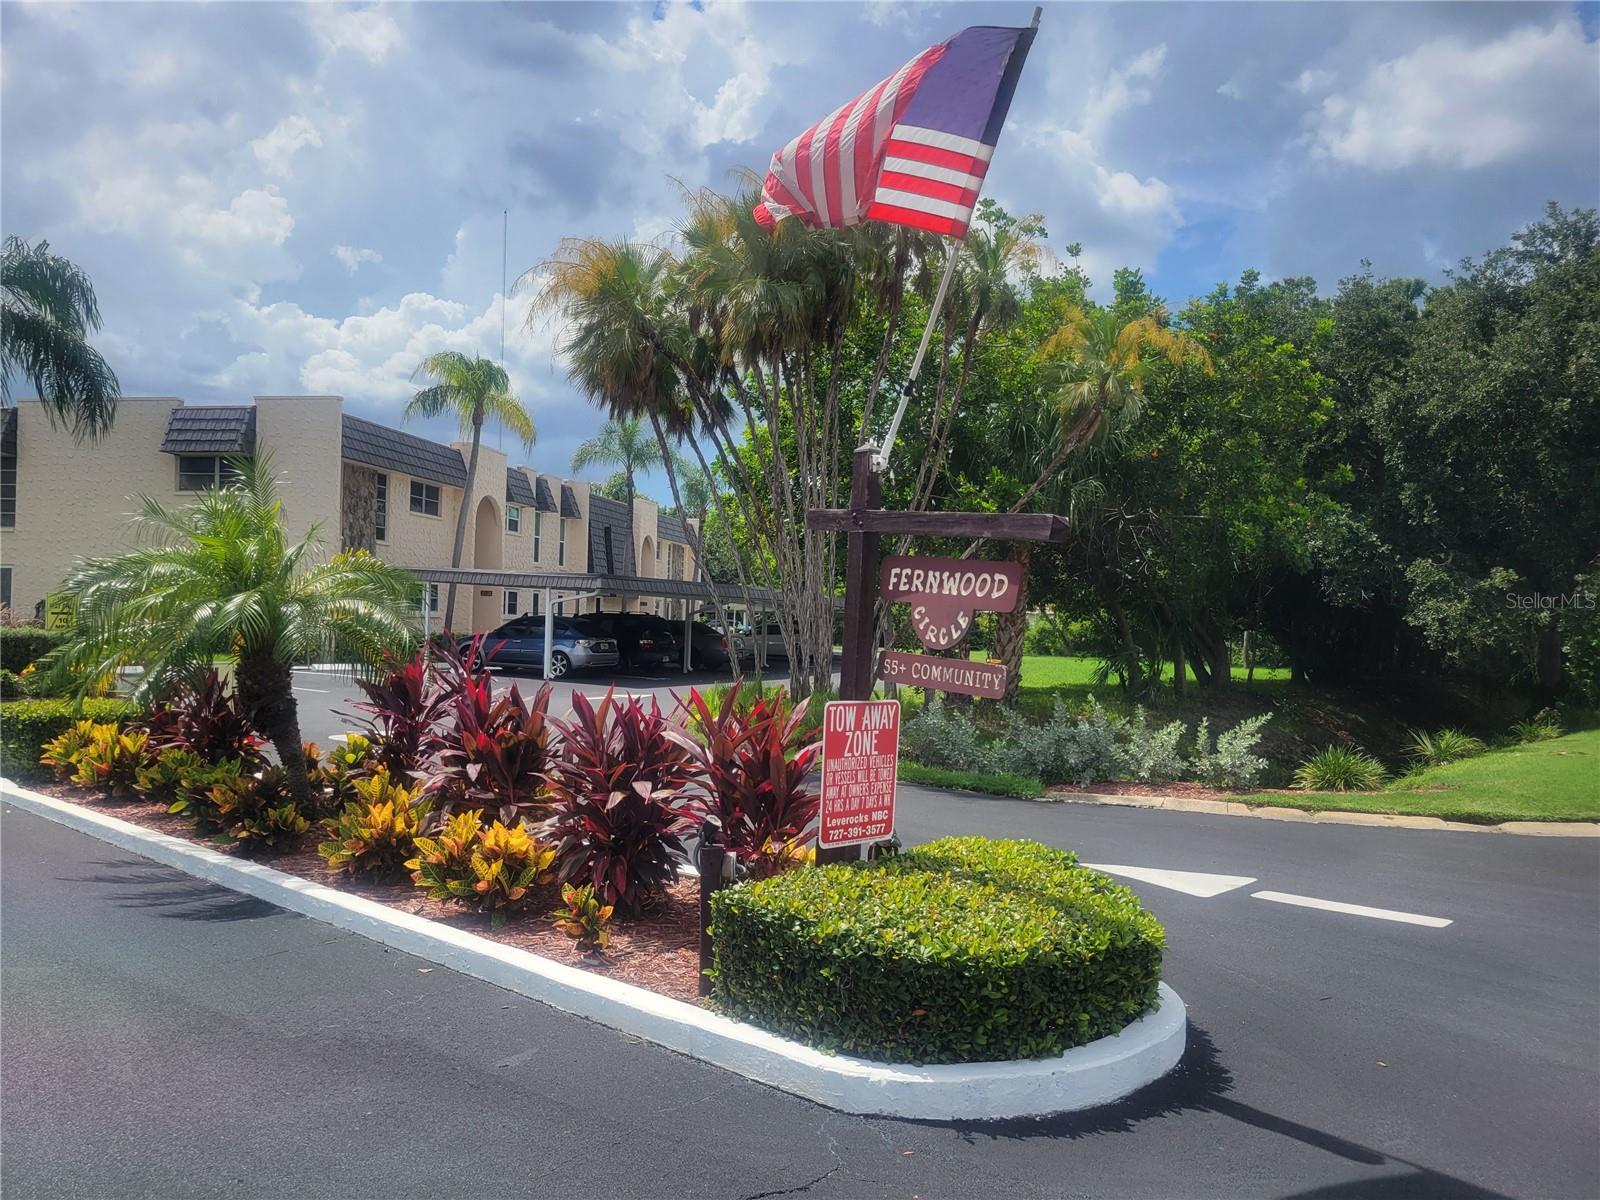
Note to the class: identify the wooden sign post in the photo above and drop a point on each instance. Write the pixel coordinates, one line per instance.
(863, 523)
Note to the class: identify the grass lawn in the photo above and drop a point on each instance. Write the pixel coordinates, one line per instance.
(1558, 780)
(1074, 676)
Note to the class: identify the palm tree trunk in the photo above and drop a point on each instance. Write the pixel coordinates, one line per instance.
(266, 692)
(461, 518)
(1011, 627)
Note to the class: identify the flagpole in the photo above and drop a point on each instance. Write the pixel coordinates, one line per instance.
(922, 350)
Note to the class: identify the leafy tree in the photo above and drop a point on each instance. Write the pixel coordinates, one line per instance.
(220, 578)
(47, 312)
(473, 390)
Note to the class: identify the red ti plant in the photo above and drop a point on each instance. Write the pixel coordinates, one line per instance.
(402, 708)
(621, 798)
(756, 762)
(489, 754)
(205, 719)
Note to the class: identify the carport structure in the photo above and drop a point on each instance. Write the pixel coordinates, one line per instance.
(574, 587)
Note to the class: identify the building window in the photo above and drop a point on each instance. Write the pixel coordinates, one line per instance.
(538, 532)
(5, 587)
(513, 519)
(202, 472)
(424, 498)
(611, 568)
(561, 546)
(8, 477)
(658, 551)
(433, 597)
(511, 603)
(380, 507)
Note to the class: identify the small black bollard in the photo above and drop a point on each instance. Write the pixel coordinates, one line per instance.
(709, 861)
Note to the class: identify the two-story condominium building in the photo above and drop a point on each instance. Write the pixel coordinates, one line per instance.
(365, 485)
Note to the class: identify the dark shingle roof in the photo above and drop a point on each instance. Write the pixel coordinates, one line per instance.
(545, 502)
(517, 489)
(569, 504)
(211, 429)
(391, 450)
(613, 515)
(671, 529)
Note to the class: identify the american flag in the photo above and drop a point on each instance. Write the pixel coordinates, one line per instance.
(911, 151)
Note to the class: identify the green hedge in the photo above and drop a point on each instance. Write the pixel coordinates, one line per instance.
(962, 950)
(996, 783)
(26, 725)
(23, 644)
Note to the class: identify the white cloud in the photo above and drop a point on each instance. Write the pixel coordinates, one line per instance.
(1452, 104)
(368, 32)
(156, 68)
(1231, 89)
(254, 215)
(276, 149)
(1312, 79)
(370, 357)
(351, 257)
(1123, 89)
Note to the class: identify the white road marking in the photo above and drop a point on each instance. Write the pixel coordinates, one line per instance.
(1190, 883)
(1355, 910)
(298, 688)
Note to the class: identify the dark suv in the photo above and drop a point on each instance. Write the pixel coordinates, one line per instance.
(643, 640)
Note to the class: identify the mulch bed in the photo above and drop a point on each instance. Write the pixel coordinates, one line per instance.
(659, 949)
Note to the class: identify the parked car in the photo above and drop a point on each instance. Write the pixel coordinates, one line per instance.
(708, 648)
(643, 641)
(520, 643)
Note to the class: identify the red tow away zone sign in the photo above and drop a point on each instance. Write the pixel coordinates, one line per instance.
(860, 759)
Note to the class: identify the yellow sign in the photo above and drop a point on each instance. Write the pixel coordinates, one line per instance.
(61, 610)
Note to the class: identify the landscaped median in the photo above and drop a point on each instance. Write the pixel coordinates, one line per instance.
(971, 978)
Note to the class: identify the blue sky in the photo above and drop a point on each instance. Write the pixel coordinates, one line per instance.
(280, 198)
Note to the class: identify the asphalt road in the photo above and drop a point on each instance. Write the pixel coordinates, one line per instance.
(163, 1037)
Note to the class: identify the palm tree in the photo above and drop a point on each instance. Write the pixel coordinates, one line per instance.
(473, 390)
(47, 311)
(221, 578)
(1099, 383)
(625, 443)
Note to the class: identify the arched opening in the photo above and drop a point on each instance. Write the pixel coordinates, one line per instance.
(488, 546)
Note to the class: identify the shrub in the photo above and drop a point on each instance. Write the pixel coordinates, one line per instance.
(619, 797)
(940, 735)
(995, 783)
(756, 765)
(191, 791)
(336, 775)
(1445, 746)
(1153, 754)
(1340, 769)
(207, 719)
(27, 725)
(168, 774)
(403, 707)
(63, 752)
(490, 754)
(1066, 748)
(1230, 763)
(1542, 727)
(962, 950)
(111, 760)
(23, 645)
(376, 829)
(14, 686)
(258, 811)
(490, 869)
(583, 917)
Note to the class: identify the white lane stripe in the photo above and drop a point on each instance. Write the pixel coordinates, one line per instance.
(1191, 883)
(913, 166)
(1355, 910)
(927, 204)
(298, 688)
(943, 141)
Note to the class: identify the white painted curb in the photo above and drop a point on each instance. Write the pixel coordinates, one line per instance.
(1098, 1073)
